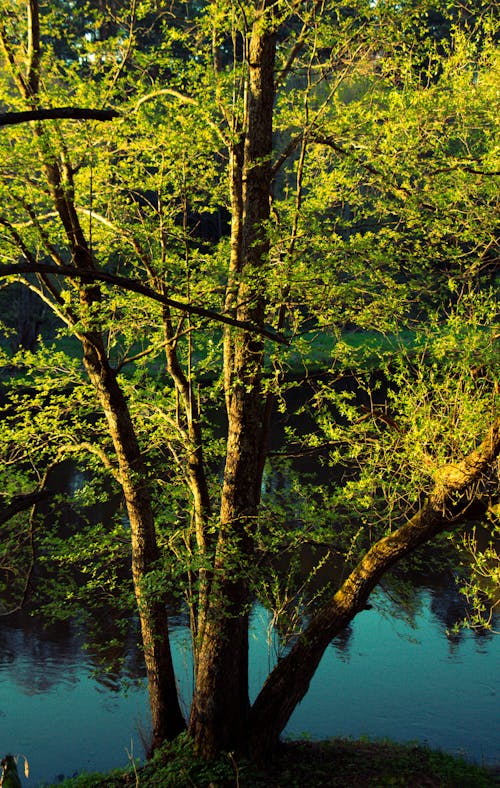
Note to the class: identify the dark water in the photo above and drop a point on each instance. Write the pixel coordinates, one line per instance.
(384, 678)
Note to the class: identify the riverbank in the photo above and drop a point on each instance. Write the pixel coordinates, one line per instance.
(345, 763)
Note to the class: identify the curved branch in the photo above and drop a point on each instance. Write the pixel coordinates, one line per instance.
(135, 286)
(287, 152)
(97, 451)
(184, 99)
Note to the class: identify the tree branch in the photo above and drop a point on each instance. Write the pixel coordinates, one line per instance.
(184, 99)
(63, 113)
(97, 451)
(22, 502)
(445, 507)
(135, 286)
(11, 59)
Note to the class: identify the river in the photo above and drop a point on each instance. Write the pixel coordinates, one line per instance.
(386, 676)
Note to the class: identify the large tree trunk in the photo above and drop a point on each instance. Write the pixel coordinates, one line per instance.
(220, 707)
(455, 487)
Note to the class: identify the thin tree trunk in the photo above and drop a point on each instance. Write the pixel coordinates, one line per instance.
(289, 681)
(196, 479)
(167, 719)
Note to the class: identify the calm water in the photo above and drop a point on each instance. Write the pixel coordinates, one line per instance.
(383, 678)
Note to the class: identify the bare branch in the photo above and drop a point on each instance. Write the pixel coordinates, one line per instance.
(63, 113)
(287, 152)
(135, 286)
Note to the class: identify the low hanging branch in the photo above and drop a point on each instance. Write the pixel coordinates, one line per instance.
(63, 113)
(135, 286)
(22, 502)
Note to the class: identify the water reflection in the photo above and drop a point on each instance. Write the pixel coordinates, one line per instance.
(342, 643)
(37, 658)
(383, 676)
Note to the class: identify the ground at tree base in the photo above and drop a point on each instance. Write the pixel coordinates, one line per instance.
(304, 764)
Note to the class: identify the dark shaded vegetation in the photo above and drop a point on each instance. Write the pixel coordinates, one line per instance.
(340, 762)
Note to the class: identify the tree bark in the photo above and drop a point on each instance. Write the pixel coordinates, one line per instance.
(455, 486)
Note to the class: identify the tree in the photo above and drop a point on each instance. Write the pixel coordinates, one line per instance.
(359, 196)
(59, 177)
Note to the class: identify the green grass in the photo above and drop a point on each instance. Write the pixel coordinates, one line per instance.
(316, 349)
(311, 352)
(340, 762)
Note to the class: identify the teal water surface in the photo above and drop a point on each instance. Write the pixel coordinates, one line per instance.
(385, 677)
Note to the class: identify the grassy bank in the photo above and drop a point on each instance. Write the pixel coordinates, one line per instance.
(340, 762)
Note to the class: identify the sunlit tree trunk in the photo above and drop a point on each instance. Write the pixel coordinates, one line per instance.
(220, 707)
(221, 716)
